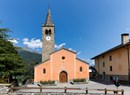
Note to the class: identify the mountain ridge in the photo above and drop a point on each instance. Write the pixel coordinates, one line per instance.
(29, 56)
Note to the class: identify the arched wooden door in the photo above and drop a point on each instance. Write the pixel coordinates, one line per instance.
(63, 77)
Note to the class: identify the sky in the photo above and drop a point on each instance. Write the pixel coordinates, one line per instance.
(88, 27)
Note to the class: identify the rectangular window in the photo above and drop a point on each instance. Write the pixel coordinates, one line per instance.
(103, 64)
(110, 68)
(104, 75)
(110, 58)
(80, 69)
(44, 71)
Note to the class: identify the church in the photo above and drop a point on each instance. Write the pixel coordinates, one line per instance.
(61, 65)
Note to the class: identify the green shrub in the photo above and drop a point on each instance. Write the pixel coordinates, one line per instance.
(79, 80)
(47, 82)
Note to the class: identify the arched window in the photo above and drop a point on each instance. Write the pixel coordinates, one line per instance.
(44, 71)
(80, 69)
(48, 32)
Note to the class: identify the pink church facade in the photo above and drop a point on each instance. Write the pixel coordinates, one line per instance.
(63, 66)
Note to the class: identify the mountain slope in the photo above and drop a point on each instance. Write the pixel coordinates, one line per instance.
(29, 56)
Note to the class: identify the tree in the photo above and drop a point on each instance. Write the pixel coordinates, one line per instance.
(29, 69)
(3, 32)
(11, 64)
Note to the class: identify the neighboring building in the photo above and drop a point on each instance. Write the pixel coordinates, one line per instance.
(61, 65)
(115, 61)
(92, 72)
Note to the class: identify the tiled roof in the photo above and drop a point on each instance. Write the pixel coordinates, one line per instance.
(112, 49)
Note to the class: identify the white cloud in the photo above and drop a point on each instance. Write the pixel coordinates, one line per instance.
(14, 41)
(91, 62)
(33, 43)
(59, 46)
(72, 50)
(25, 40)
(79, 53)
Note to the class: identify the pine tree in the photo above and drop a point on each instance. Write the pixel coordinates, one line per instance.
(11, 64)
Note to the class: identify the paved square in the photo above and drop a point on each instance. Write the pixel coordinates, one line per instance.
(90, 85)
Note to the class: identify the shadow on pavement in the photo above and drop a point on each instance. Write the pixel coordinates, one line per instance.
(102, 81)
(106, 82)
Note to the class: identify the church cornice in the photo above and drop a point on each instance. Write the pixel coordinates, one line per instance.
(82, 61)
(42, 62)
(63, 49)
(43, 25)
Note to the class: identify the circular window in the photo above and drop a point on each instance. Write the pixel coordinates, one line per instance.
(63, 57)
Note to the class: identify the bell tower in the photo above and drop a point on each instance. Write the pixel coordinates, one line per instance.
(47, 37)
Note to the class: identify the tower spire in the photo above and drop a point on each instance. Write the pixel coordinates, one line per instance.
(49, 18)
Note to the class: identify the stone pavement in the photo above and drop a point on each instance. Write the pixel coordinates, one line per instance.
(90, 85)
(4, 88)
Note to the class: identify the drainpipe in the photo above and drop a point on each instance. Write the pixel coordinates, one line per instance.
(128, 65)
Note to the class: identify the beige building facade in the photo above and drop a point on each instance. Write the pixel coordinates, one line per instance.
(115, 61)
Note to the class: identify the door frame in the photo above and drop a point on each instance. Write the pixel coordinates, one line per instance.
(66, 76)
(104, 75)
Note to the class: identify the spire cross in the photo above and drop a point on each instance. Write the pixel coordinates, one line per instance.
(49, 4)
